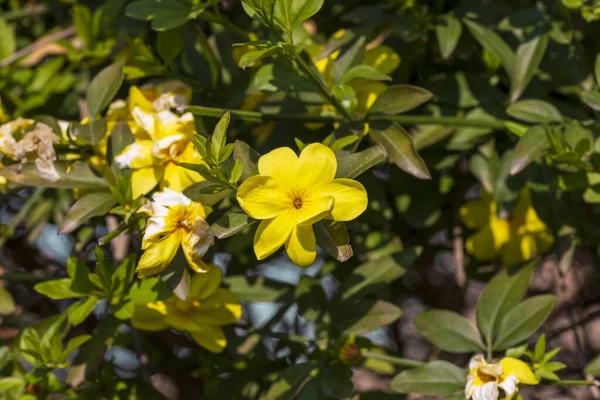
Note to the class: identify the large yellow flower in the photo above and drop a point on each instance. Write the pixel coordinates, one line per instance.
(517, 238)
(154, 160)
(292, 193)
(206, 309)
(486, 380)
(174, 220)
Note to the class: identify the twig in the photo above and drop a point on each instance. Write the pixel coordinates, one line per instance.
(120, 229)
(402, 362)
(60, 35)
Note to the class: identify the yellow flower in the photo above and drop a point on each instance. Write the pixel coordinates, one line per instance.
(486, 380)
(517, 238)
(154, 161)
(174, 220)
(206, 309)
(292, 193)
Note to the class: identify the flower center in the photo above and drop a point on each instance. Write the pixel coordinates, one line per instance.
(298, 203)
(485, 378)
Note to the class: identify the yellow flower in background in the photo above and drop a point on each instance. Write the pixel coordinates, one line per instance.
(206, 309)
(486, 380)
(517, 238)
(174, 221)
(292, 193)
(154, 161)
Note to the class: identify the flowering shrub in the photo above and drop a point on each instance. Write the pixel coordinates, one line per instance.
(270, 199)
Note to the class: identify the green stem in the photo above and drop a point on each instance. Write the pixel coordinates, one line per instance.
(574, 383)
(312, 73)
(21, 215)
(402, 362)
(210, 17)
(106, 239)
(257, 116)
(490, 352)
(23, 277)
(430, 120)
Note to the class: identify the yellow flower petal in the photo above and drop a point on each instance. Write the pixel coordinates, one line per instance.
(195, 245)
(543, 242)
(176, 178)
(211, 338)
(301, 246)
(136, 155)
(518, 369)
(518, 249)
(137, 98)
(158, 256)
(481, 245)
(205, 284)
(263, 197)
(273, 233)
(221, 308)
(350, 198)
(280, 164)
(314, 209)
(316, 165)
(143, 180)
(148, 317)
(475, 213)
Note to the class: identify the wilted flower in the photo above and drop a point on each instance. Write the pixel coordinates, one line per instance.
(516, 238)
(36, 144)
(206, 308)
(292, 193)
(174, 221)
(486, 380)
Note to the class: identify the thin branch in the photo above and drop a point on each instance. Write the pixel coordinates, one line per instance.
(60, 35)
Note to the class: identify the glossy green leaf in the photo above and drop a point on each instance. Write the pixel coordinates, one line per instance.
(255, 55)
(7, 303)
(398, 145)
(493, 43)
(92, 132)
(502, 293)
(336, 381)
(334, 239)
(530, 147)
(8, 44)
(310, 297)
(366, 316)
(524, 320)
(79, 311)
(76, 175)
(289, 381)
(593, 367)
(364, 71)
(91, 205)
(219, 136)
(74, 344)
(400, 98)
(592, 99)
(448, 31)
(103, 88)
(57, 289)
(169, 44)
(449, 331)
(164, 14)
(291, 13)
(257, 289)
(534, 111)
(433, 379)
(230, 224)
(350, 58)
(352, 165)
(527, 60)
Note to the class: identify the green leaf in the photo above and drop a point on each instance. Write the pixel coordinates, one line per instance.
(169, 44)
(291, 13)
(528, 59)
(164, 14)
(73, 345)
(289, 381)
(103, 88)
(255, 55)
(11, 383)
(256, 289)
(123, 276)
(400, 98)
(351, 57)
(398, 145)
(503, 293)
(248, 157)
(365, 316)
(597, 69)
(342, 142)
(76, 175)
(219, 136)
(593, 368)
(7, 303)
(230, 224)
(524, 320)
(80, 276)
(448, 31)
(334, 239)
(493, 43)
(336, 381)
(92, 132)
(376, 274)
(352, 165)
(91, 205)
(57, 289)
(592, 99)
(530, 147)
(534, 111)
(433, 379)
(364, 71)
(449, 331)
(82, 21)
(79, 311)
(310, 297)
(8, 44)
